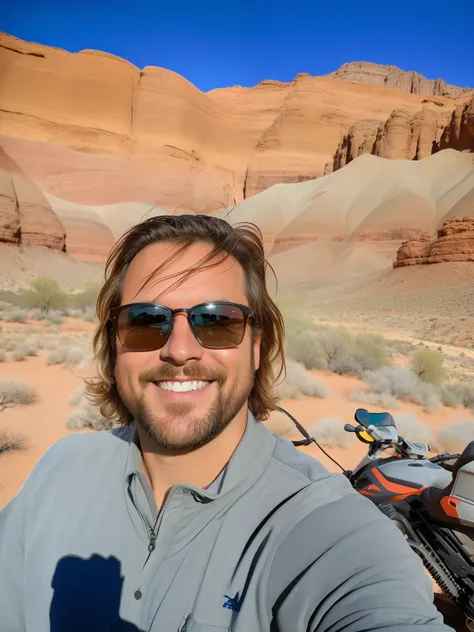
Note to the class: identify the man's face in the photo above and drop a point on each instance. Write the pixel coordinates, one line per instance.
(183, 421)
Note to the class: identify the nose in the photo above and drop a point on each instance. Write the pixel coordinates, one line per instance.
(181, 346)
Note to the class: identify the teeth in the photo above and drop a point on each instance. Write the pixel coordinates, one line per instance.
(182, 387)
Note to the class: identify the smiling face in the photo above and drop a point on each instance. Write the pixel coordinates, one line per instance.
(184, 395)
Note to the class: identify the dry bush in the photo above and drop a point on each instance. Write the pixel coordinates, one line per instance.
(456, 436)
(54, 318)
(16, 393)
(412, 429)
(36, 314)
(458, 394)
(56, 356)
(298, 382)
(86, 415)
(18, 355)
(333, 349)
(74, 356)
(2, 355)
(402, 383)
(10, 444)
(382, 400)
(78, 395)
(15, 316)
(90, 315)
(330, 431)
(280, 424)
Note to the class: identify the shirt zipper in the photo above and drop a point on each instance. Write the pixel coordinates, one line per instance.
(152, 533)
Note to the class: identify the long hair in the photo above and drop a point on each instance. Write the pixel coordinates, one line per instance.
(244, 243)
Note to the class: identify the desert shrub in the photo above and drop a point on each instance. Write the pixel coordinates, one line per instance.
(456, 436)
(298, 382)
(56, 356)
(427, 365)
(44, 293)
(330, 431)
(412, 429)
(87, 298)
(383, 400)
(280, 424)
(2, 355)
(402, 383)
(90, 315)
(86, 415)
(458, 394)
(55, 318)
(18, 355)
(74, 356)
(78, 395)
(37, 314)
(15, 316)
(10, 444)
(16, 393)
(370, 351)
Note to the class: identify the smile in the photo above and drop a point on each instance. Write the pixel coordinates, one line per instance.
(183, 387)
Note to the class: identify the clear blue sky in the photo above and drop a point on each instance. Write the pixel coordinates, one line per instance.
(215, 43)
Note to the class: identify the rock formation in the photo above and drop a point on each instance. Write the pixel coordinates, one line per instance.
(454, 242)
(26, 218)
(407, 136)
(393, 77)
(182, 148)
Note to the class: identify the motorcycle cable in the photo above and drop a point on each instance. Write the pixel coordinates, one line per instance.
(307, 440)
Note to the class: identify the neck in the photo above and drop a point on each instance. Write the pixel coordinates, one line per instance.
(199, 467)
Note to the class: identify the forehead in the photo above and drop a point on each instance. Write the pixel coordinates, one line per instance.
(142, 282)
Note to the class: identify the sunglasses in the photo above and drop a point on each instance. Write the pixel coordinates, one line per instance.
(147, 326)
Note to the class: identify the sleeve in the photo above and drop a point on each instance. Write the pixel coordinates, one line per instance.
(12, 522)
(345, 567)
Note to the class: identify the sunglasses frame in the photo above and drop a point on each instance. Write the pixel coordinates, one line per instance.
(115, 312)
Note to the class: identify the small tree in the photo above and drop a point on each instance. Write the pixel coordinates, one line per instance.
(427, 364)
(44, 293)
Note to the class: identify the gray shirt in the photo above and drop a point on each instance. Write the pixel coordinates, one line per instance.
(276, 543)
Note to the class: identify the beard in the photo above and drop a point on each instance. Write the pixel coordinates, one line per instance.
(180, 430)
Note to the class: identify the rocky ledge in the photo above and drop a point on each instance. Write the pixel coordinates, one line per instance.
(455, 242)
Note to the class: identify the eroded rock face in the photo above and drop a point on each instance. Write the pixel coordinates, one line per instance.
(393, 77)
(403, 136)
(26, 217)
(454, 242)
(459, 133)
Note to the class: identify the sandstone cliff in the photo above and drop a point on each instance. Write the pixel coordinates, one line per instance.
(194, 151)
(26, 218)
(391, 76)
(408, 136)
(454, 242)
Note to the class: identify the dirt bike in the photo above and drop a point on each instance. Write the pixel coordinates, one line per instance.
(431, 500)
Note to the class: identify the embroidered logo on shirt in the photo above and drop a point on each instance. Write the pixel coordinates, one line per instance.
(232, 603)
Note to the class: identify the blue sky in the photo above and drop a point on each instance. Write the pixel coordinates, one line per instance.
(217, 43)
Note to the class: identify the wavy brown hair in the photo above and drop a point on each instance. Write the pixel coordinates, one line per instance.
(244, 243)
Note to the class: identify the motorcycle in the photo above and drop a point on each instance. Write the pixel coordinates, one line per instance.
(431, 501)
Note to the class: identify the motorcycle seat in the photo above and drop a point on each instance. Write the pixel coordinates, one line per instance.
(438, 502)
(366, 419)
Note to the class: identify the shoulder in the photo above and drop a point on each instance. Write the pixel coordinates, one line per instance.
(79, 447)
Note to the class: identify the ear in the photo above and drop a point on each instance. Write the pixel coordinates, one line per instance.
(256, 342)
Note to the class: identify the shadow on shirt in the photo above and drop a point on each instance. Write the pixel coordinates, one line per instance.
(87, 596)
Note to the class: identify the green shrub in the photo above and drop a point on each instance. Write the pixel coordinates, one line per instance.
(427, 365)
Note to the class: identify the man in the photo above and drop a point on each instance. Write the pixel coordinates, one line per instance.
(191, 515)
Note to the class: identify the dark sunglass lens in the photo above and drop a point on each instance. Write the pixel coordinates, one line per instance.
(218, 326)
(143, 327)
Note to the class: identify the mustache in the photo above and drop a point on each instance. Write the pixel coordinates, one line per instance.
(192, 371)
